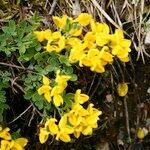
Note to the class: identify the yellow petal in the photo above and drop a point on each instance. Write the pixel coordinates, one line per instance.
(99, 68)
(105, 55)
(75, 32)
(57, 90)
(61, 43)
(91, 119)
(122, 89)
(84, 19)
(48, 34)
(63, 137)
(126, 43)
(53, 128)
(77, 134)
(5, 145)
(125, 59)
(40, 35)
(4, 134)
(73, 41)
(87, 62)
(22, 141)
(61, 79)
(74, 119)
(47, 96)
(87, 131)
(60, 22)
(80, 98)
(63, 121)
(43, 136)
(56, 35)
(44, 89)
(57, 100)
(119, 34)
(140, 133)
(46, 80)
(92, 53)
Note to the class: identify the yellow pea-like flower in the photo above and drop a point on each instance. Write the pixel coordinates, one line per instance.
(122, 89)
(84, 19)
(43, 136)
(140, 133)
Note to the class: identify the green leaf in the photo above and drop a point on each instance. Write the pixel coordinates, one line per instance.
(73, 77)
(10, 29)
(38, 100)
(64, 60)
(16, 134)
(68, 26)
(67, 70)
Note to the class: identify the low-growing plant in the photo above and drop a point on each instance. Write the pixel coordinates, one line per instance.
(45, 67)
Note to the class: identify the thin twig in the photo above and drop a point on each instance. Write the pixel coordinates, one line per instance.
(16, 84)
(105, 14)
(32, 117)
(91, 84)
(52, 7)
(127, 116)
(21, 114)
(15, 66)
(99, 82)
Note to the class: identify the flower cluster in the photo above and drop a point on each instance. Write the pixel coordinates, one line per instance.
(78, 120)
(7, 143)
(89, 43)
(55, 92)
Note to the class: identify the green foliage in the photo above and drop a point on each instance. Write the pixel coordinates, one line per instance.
(20, 39)
(4, 83)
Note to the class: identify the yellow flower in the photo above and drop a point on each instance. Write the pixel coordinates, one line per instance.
(77, 53)
(105, 55)
(43, 35)
(57, 100)
(80, 98)
(56, 42)
(46, 80)
(140, 133)
(89, 40)
(5, 145)
(43, 136)
(40, 35)
(45, 89)
(72, 41)
(19, 144)
(102, 39)
(120, 46)
(78, 109)
(63, 136)
(61, 79)
(84, 19)
(87, 130)
(21, 141)
(64, 130)
(122, 89)
(74, 118)
(99, 27)
(77, 131)
(60, 22)
(4, 134)
(57, 90)
(75, 31)
(96, 65)
(53, 128)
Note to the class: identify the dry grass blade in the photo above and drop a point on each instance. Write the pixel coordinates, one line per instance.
(95, 3)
